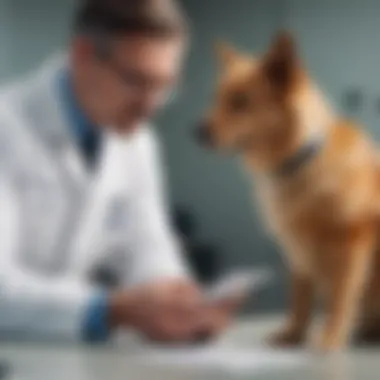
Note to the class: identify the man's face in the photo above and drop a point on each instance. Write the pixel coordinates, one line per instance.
(132, 82)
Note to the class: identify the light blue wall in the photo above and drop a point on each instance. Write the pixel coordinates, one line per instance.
(30, 31)
(340, 43)
(5, 25)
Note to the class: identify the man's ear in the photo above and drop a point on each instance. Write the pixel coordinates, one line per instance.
(281, 63)
(225, 53)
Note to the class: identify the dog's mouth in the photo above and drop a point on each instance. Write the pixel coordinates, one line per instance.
(205, 137)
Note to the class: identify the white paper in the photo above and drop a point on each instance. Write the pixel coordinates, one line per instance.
(223, 359)
(238, 282)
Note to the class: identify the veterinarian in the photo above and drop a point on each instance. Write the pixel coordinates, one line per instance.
(81, 184)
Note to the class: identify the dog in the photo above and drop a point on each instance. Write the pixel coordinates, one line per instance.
(317, 179)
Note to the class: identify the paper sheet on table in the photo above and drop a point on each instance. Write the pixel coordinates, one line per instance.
(239, 281)
(223, 359)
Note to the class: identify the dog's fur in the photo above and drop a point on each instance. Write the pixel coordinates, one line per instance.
(325, 214)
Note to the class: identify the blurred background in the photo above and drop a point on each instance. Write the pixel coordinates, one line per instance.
(211, 194)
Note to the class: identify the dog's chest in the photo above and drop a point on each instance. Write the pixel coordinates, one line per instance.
(288, 204)
(303, 218)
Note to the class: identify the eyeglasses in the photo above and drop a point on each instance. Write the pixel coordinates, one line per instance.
(137, 84)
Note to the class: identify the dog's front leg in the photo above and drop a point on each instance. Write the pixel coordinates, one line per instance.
(346, 285)
(301, 305)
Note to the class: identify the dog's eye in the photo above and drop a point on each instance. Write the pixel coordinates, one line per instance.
(239, 102)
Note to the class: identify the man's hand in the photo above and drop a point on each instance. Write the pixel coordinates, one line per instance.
(217, 317)
(172, 311)
(163, 311)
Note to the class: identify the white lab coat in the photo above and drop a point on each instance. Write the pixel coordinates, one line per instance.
(58, 220)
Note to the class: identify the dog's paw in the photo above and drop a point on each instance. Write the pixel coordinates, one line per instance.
(327, 344)
(367, 337)
(285, 338)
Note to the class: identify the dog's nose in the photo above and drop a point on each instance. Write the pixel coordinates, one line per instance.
(203, 134)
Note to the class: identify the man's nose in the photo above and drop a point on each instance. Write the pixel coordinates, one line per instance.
(203, 134)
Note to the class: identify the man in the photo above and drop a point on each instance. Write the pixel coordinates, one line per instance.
(80, 184)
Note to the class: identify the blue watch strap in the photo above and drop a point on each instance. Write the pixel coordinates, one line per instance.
(96, 327)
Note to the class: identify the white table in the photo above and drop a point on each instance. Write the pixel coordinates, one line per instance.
(46, 362)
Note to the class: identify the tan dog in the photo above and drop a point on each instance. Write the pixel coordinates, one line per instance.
(318, 181)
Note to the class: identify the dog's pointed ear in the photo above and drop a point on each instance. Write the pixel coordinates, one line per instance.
(281, 63)
(225, 52)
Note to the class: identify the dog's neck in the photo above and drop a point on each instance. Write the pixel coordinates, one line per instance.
(301, 158)
(292, 162)
(284, 160)
(303, 141)
(316, 121)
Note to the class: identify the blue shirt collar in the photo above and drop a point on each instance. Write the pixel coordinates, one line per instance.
(85, 133)
(80, 125)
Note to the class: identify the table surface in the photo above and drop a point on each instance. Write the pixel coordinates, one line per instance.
(46, 362)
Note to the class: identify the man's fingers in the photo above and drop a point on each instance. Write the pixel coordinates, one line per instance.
(178, 313)
(232, 304)
(172, 330)
(213, 323)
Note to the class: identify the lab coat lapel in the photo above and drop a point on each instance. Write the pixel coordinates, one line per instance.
(67, 154)
(50, 126)
(88, 191)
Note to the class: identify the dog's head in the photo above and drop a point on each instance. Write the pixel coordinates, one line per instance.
(256, 106)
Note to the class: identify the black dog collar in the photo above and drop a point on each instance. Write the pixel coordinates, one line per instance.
(304, 155)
